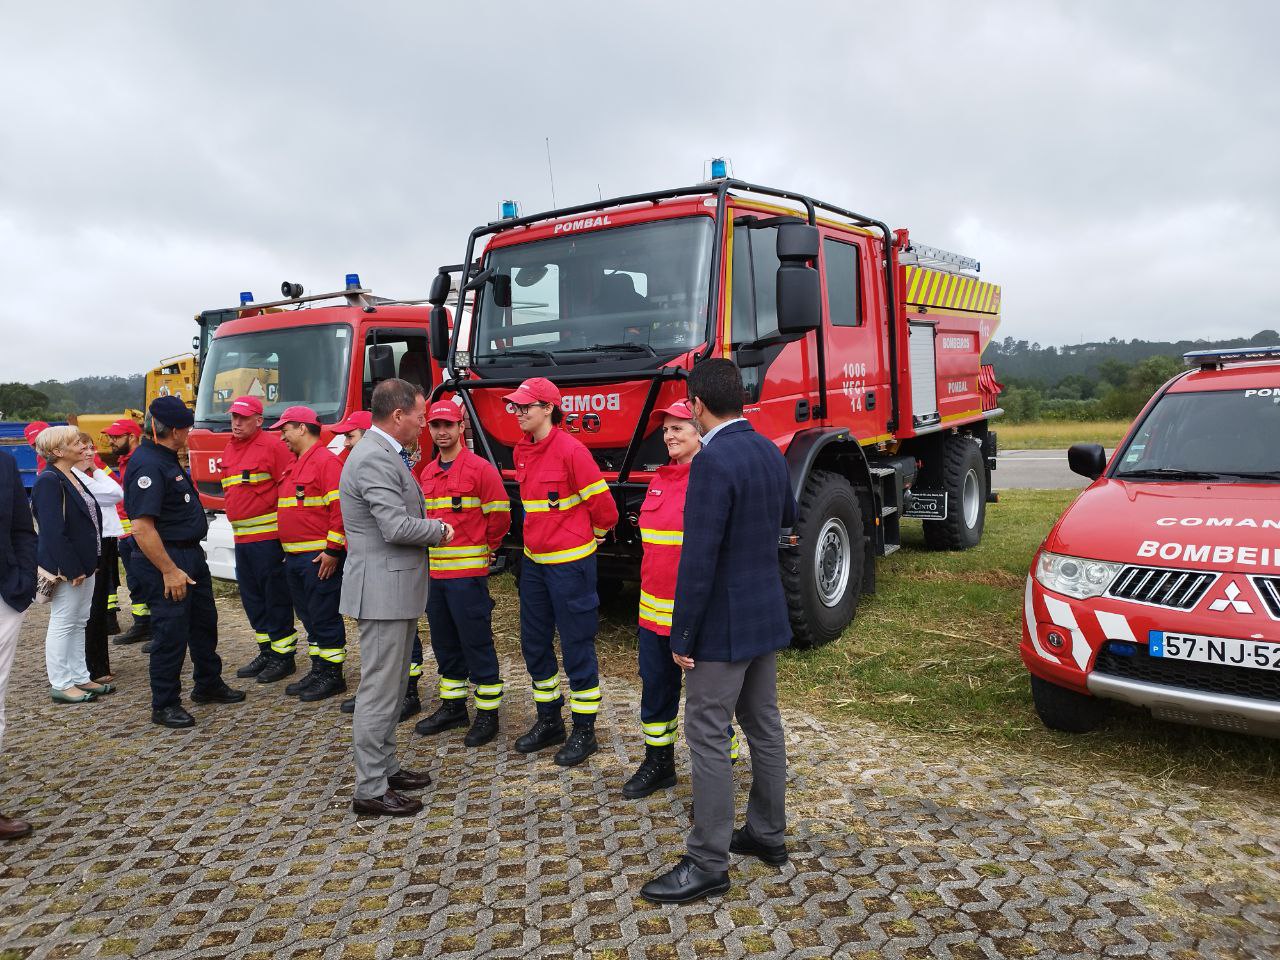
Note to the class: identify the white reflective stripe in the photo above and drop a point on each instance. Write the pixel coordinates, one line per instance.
(547, 691)
(337, 539)
(329, 654)
(562, 556)
(452, 689)
(303, 546)
(653, 616)
(1028, 612)
(463, 563)
(1062, 614)
(496, 506)
(285, 644)
(673, 538)
(544, 506)
(481, 550)
(1115, 626)
(265, 520)
(658, 603)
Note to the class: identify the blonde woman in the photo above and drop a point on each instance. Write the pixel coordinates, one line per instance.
(70, 541)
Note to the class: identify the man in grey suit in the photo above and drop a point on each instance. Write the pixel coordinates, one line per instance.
(384, 587)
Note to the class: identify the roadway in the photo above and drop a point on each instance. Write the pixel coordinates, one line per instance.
(1034, 470)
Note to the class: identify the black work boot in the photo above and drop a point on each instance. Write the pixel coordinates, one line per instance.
(113, 623)
(349, 706)
(278, 667)
(255, 666)
(410, 706)
(450, 715)
(328, 682)
(546, 731)
(140, 630)
(295, 689)
(657, 772)
(580, 745)
(483, 729)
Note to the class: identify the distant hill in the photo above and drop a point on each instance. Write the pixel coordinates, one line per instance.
(53, 400)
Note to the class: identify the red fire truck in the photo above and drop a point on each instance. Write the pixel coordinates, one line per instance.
(326, 351)
(860, 356)
(1160, 585)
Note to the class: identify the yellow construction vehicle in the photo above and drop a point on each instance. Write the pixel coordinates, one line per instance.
(177, 376)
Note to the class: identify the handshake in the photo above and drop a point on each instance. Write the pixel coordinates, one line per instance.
(446, 535)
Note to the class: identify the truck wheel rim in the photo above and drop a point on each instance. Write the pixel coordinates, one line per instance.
(831, 562)
(972, 501)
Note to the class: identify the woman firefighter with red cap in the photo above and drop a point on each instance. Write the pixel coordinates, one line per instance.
(662, 534)
(567, 510)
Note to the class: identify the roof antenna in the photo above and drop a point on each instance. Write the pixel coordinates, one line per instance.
(599, 195)
(550, 175)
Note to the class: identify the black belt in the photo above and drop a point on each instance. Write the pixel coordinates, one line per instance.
(182, 544)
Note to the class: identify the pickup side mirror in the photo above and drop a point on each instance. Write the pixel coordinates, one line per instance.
(382, 363)
(799, 292)
(441, 284)
(501, 290)
(439, 329)
(1087, 459)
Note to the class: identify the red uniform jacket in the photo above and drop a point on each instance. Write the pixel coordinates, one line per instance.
(566, 502)
(308, 507)
(469, 496)
(251, 471)
(662, 532)
(122, 463)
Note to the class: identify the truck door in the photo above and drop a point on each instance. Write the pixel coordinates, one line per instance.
(857, 388)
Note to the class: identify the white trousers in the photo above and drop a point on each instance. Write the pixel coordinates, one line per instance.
(64, 643)
(10, 624)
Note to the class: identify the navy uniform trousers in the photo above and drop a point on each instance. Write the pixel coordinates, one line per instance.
(660, 681)
(459, 612)
(265, 595)
(316, 601)
(128, 550)
(191, 623)
(561, 596)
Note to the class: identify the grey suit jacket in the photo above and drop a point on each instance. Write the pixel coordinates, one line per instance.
(385, 576)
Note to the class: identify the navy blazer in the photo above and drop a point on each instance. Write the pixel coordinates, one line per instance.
(729, 603)
(17, 538)
(67, 546)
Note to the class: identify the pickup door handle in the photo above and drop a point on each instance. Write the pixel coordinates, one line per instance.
(871, 399)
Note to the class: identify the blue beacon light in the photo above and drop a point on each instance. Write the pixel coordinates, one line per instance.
(246, 296)
(353, 281)
(509, 210)
(719, 168)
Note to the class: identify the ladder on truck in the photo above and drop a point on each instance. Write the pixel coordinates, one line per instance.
(935, 258)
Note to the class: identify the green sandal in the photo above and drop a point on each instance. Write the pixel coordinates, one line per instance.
(59, 697)
(101, 690)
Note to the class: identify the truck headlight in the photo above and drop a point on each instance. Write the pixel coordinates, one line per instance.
(1074, 576)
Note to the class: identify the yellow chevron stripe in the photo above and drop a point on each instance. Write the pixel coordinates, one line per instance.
(934, 288)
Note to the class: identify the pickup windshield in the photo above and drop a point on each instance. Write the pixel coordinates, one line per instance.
(1223, 436)
(629, 292)
(304, 366)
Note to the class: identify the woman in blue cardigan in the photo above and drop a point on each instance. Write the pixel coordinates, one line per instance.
(70, 531)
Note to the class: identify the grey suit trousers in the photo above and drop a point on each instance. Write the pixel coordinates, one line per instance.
(385, 649)
(714, 692)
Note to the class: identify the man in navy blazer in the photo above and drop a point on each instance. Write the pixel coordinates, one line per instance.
(730, 619)
(17, 588)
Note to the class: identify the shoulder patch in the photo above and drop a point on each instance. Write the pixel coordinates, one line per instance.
(144, 482)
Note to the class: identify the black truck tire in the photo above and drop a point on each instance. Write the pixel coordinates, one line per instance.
(823, 578)
(962, 473)
(1065, 710)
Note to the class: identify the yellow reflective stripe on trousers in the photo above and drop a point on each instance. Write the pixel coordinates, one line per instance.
(303, 546)
(285, 644)
(496, 506)
(733, 746)
(673, 538)
(415, 671)
(239, 478)
(562, 556)
(489, 696)
(585, 701)
(453, 689)
(660, 734)
(329, 654)
(127, 524)
(547, 691)
(544, 506)
(139, 609)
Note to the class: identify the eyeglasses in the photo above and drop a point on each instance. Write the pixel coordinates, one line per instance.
(520, 409)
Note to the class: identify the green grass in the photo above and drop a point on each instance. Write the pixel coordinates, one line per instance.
(1052, 435)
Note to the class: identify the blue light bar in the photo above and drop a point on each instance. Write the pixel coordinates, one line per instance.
(353, 281)
(1217, 359)
(509, 210)
(719, 168)
(246, 296)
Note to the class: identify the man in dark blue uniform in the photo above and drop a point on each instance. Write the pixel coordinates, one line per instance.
(168, 525)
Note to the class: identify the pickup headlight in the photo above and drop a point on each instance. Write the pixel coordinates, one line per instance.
(1073, 576)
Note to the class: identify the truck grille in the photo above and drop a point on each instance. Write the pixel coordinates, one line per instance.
(1269, 587)
(1206, 677)
(1179, 589)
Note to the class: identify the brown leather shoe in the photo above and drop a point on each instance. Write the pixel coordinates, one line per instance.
(13, 829)
(408, 780)
(390, 804)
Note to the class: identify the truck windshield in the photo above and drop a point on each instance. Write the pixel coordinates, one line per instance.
(640, 289)
(1218, 436)
(292, 366)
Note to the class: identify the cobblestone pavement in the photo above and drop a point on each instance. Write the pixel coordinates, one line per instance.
(235, 839)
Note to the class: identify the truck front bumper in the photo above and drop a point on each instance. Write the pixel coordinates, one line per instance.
(1199, 708)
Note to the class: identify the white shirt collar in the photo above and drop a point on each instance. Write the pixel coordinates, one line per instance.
(396, 445)
(706, 437)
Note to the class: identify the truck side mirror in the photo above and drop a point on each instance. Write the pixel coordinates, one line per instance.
(501, 290)
(441, 284)
(382, 363)
(1087, 459)
(439, 329)
(799, 291)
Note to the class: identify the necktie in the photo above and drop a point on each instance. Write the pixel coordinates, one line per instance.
(405, 457)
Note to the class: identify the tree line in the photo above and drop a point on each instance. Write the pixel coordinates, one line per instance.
(54, 400)
(1109, 380)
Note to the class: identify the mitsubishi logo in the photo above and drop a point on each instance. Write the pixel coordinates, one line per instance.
(1230, 600)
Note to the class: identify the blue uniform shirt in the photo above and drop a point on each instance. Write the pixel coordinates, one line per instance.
(156, 486)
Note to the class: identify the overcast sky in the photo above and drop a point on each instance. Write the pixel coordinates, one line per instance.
(1113, 165)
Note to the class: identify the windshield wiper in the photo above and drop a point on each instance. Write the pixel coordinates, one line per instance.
(1167, 473)
(607, 347)
(1269, 475)
(539, 354)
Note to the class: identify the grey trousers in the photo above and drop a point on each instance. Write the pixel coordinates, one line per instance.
(385, 649)
(714, 693)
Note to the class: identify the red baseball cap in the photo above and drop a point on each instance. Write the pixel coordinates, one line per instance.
(295, 415)
(535, 390)
(445, 410)
(359, 420)
(121, 427)
(679, 409)
(249, 406)
(32, 430)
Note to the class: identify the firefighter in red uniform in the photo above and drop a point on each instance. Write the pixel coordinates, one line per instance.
(311, 536)
(124, 435)
(352, 429)
(251, 467)
(466, 492)
(567, 510)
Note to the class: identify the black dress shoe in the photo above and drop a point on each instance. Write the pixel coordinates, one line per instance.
(450, 715)
(390, 804)
(11, 829)
(483, 729)
(173, 717)
(745, 843)
(410, 706)
(328, 682)
(254, 666)
(580, 745)
(684, 883)
(277, 669)
(219, 694)
(295, 688)
(348, 705)
(545, 732)
(404, 779)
